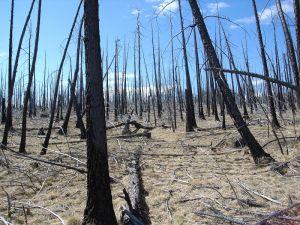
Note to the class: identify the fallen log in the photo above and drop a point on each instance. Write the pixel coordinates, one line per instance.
(132, 122)
(138, 211)
(133, 135)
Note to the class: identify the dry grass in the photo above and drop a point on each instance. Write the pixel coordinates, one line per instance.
(181, 174)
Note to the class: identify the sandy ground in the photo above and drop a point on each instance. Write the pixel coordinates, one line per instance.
(189, 177)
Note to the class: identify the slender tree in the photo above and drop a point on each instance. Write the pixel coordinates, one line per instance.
(8, 122)
(73, 85)
(198, 76)
(47, 138)
(290, 48)
(190, 112)
(30, 78)
(265, 68)
(297, 28)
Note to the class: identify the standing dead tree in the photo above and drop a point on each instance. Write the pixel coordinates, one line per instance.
(12, 77)
(30, 78)
(290, 48)
(241, 94)
(257, 151)
(190, 112)
(198, 76)
(99, 208)
(297, 28)
(47, 138)
(73, 86)
(265, 68)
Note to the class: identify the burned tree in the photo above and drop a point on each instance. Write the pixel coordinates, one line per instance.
(290, 47)
(47, 138)
(30, 78)
(99, 208)
(257, 151)
(190, 112)
(73, 85)
(13, 74)
(265, 68)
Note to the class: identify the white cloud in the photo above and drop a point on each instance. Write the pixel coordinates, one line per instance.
(214, 7)
(3, 54)
(166, 6)
(136, 11)
(267, 14)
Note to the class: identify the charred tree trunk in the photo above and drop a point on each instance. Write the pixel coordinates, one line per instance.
(73, 85)
(30, 78)
(107, 88)
(265, 67)
(99, 208)
(256, 150)
(173, 77)
(44, 87)
(297, 28)
(135, 85)
(116, 89)
(240, 90)
(3, 110)
(290, 48)
(46, 141)
(158, 99)
(10, 88)
(198, 76)
(8, 121)
(139, 68)
(190, 112)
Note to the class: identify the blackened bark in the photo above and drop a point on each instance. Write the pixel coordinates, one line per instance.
(46, 141)
(190, 112)
(8, 121)
(30, 78)
(290, 48)
(99, 207)
(3, 110)
(265, 67)
(297, 28)
(256, 150)
(198, 76)
(73, 85)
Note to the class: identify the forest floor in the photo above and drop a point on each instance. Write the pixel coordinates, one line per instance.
(190, 178)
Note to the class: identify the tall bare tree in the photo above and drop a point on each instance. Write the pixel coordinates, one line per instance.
(60, 70)
(12, 77)
(99, 207)
(265, 67)
(290, 48)
(30, 78)
(190, 111)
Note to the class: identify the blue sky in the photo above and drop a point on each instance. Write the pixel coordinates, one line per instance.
(118, 20)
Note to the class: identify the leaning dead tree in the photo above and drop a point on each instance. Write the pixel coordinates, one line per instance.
(47, 138)
(257, 151)
(99, 208)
